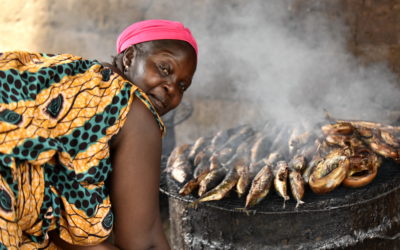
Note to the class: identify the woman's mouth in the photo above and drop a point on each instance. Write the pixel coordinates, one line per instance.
(159, 105)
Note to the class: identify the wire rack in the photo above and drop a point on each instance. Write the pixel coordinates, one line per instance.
(386, 182)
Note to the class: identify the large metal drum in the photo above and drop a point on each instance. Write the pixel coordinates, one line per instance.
(346, 218)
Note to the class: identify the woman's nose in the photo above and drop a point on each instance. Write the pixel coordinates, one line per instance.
(171, 86)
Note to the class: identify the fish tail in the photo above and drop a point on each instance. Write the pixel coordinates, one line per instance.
(299, 202)
(212, 196)
(202, 189)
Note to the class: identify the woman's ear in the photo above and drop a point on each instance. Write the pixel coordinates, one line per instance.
(128, 57)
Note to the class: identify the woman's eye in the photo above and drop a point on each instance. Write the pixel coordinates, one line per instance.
(164, 70)
(182, 86)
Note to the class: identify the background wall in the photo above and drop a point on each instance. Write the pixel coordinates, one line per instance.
(250, 51)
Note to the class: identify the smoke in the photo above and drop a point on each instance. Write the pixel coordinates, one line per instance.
(293, 67)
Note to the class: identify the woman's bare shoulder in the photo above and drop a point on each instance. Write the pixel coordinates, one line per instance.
(140, 124)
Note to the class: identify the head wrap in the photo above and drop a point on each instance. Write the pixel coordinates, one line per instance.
(150, 30)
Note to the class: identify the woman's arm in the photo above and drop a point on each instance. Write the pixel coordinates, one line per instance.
(134, 186)
(135, 182)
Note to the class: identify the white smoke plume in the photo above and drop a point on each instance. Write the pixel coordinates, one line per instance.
(293, 65)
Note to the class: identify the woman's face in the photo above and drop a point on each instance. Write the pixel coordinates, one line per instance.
(163, 73)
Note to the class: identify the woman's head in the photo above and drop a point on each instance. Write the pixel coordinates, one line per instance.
(160, 57)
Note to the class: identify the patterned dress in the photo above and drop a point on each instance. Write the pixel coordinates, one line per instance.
(57, 116)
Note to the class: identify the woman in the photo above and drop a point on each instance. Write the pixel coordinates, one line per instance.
(67, 123)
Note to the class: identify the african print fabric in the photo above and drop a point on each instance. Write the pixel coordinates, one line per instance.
(57, 116)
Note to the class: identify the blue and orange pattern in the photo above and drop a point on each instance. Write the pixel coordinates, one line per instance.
(58, 114)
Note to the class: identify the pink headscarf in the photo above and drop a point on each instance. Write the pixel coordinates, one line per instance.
(150, 30)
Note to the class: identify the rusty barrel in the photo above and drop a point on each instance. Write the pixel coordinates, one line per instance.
(347, 218)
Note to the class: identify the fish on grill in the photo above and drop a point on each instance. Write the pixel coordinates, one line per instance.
(175, 152)
(224, 155)
(308, 151)
(212, 179)
(381, 148)
(363, 168)
(192, 184)
(237, 138)
(243, 153)
(226, 160)
(220, 138)
(260, 148)
(218, 169)
(298, 162)
(205, 160)
(214, 158)
(330, 172)
(223, 136)
(324, 156)
(197, 147)
(244, 179)
(260, 186)
(280, 180)
(178, 165)
(378, 137)
(215, 146)
(215, 174)
(310, 167)
(222, 189)
(263, 179)
(279, 143)
(296, 185)
(370, 125)
(271, 159)
(340, 128)
(201, 162)
(365, 132)
(298, 139)
(389, 138)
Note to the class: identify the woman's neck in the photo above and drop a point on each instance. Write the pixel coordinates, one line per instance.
(116, 67)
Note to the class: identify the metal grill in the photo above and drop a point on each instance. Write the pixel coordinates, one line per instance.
(386, 182)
